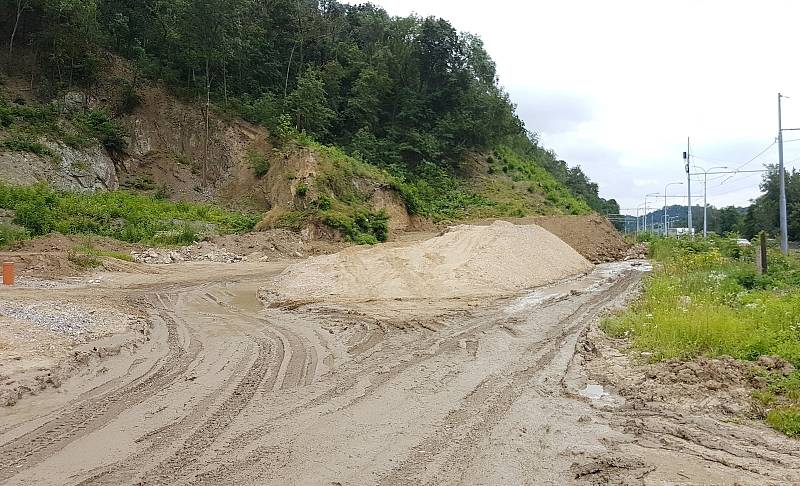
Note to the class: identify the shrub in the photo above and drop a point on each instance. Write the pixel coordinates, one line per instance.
(130, 99)
(126, 216)
(259, 163)
(363, 227)
(301, 190)
(11, 234)
(100, 125)
(323, 203)
(19, 142)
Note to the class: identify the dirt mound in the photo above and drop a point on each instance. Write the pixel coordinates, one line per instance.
(276, 242)
(467, 261)
(592, 236)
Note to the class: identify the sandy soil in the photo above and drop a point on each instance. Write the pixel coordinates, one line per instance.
(502, 391)
(464, 262)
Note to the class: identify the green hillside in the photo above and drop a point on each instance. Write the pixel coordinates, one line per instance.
(410, 96)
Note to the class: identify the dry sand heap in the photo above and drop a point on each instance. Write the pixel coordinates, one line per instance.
(465, 262)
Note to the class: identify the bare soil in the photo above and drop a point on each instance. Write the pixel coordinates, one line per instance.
(592, 236)
(488, 391)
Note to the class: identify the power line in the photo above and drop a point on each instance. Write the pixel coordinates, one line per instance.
(750, 161)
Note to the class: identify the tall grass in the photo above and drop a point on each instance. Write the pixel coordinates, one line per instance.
(705, 299)
(122, 215)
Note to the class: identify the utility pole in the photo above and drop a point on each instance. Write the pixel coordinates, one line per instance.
(686, 158)
(782, 203)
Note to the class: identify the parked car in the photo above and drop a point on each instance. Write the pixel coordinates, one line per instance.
(743, 242)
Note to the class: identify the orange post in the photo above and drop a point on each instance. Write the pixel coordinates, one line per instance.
(8, 273)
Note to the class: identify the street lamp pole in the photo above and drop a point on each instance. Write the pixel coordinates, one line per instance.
(652, 194)
(782, 182)
(705, 195)
(666, 221)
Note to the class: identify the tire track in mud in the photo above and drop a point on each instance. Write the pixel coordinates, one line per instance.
(282, 361)
(173, 468)
(420, 351)
(486, 405)
(711, 441)
(94, 412)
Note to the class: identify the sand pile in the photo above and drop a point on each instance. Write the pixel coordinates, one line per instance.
(467, 261)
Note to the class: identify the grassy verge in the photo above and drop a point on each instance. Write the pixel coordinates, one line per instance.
(86, 255)
(705, 299)
(122, 215)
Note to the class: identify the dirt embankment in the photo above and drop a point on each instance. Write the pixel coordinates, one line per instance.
(464, 262)
(592, 236)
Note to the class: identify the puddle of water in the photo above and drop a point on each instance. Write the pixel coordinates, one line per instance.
(594, 392)
(594, 281)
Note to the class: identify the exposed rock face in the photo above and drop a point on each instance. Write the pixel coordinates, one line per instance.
(83, 170)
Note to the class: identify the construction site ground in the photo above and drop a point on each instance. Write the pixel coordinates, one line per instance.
(180, 374)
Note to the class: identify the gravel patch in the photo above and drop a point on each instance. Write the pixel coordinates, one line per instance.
(60, 317)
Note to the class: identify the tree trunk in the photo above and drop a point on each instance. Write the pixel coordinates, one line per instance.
(208, 106)
(14, 30)
(286, 84)
(225, 82)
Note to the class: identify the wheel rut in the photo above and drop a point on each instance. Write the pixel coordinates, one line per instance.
(93, 413)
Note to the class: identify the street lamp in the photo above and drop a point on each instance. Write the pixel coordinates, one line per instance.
(666, 221)
(638, 219)
(652, 194)
(705, 195)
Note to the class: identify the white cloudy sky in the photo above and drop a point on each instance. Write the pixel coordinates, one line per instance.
(617, 86)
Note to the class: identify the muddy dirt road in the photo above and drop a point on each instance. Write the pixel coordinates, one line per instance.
(228, 392)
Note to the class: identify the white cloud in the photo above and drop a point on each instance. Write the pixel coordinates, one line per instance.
(617, 86)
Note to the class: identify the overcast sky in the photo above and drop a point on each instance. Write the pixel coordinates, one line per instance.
(617, 86)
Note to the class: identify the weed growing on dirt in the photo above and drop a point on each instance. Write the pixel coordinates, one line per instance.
(11, 234)
(705, 299)
(785, 419)
(122, 215)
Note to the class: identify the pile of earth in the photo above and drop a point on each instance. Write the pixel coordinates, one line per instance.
(464, 262)
(592, 236)
(48, 257)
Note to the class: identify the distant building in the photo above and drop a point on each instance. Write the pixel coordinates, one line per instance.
(680, 231)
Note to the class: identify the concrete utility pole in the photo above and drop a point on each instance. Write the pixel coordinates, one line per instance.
(782, 204)
(687, 159)
(666, 221)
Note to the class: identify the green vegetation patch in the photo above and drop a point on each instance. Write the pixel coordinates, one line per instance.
(122, 215)
(785, 419)
(11, 234)
(24, 125)
(705, 298)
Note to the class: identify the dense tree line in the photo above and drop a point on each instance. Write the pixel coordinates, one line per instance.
(763, 213)
(721, 221)
(396, 92)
